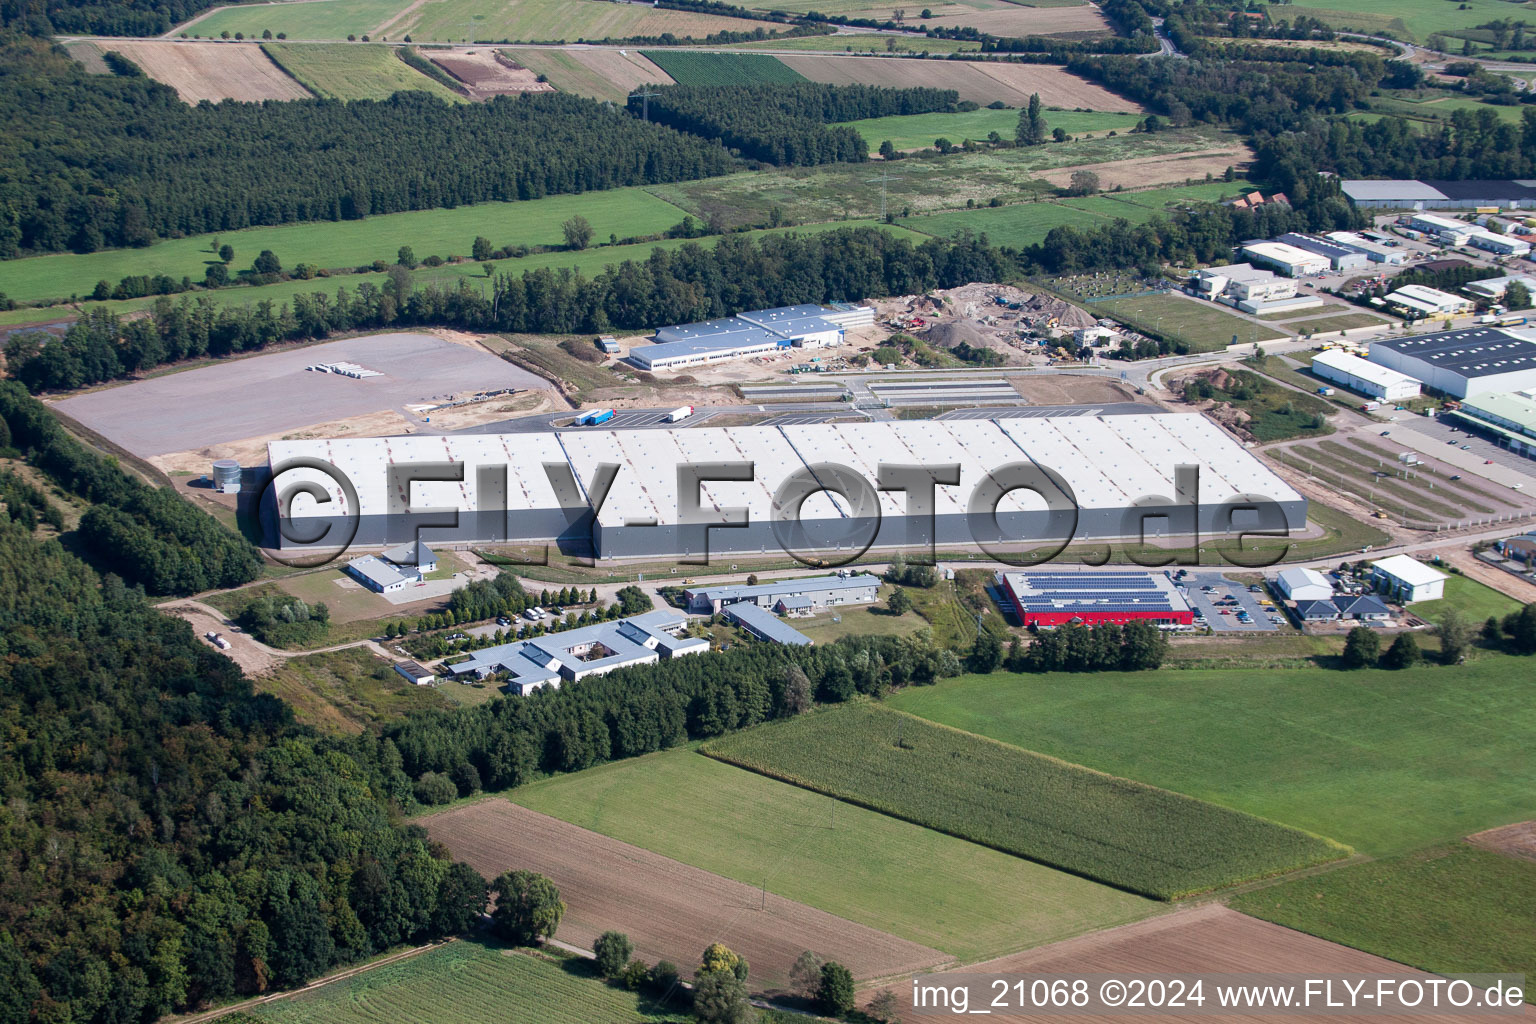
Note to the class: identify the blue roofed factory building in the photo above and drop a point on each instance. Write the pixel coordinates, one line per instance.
(754, 333)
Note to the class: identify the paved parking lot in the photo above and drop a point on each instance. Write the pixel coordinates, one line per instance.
(1479, 447)
(1205, 603)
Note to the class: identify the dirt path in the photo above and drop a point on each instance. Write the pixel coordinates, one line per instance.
(255, 657)
(390, 22)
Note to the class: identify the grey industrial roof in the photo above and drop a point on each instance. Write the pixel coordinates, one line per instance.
(1363, 604)
(803, 585)
(767, 625)
(1390, 188)
(796, 601)
(753, 337)
(792, 321)
(378, 570)
(754, 327)
(539, 659)
(1321, 246)
(413, 670)
(416, 553)
(725, 327)
(1473, 352)
(1317, 609)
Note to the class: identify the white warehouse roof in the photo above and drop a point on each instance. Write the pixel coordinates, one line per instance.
(1410, 571)
(1344, 362)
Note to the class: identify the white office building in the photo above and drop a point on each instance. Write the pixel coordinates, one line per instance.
(1243, 282)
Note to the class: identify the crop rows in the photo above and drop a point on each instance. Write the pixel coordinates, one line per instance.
(689, 67)
(1112, 830)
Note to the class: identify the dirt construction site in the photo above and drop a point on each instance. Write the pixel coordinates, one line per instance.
(999, 317)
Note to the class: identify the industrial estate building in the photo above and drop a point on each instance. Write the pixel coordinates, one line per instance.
(749, 334)
(394, 570)
(1440, 195)
(795, 595)
(1376, 252)
(1364, 376)
(765, 625)
(1286, 259)
(1408, 579)
(575, 654)
(1243, 282)
(1339, 257)
(1417, 302)
(1463, 364)
(1494, 287)
(1301, 584)
(539, 487)
(1509, 416)
(1045, 599)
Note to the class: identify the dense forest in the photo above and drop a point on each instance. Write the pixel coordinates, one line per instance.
(147, 535)
(788, 124)
(88, 162)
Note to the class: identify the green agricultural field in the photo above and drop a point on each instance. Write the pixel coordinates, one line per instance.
(1450, 910)
(588, 261)
(692, 67)
(891, 875)
(455, 21)
(1341, 322)
(1413, 20)
(350, 71)
(1201, 325)
(1110, 829)
(626, 212)
(321, 19)
(918, 131)
(468, 982)
(1383, 761)
(919, 186)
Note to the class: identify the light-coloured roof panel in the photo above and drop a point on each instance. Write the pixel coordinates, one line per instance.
(1388, 189)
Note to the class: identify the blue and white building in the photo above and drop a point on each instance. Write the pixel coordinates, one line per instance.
(754, 333)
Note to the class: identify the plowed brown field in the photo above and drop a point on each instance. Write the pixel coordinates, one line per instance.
(212, 71)
(669, 910)
(979, 81)
(1207, 939)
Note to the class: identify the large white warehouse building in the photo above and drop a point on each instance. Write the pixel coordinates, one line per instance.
(1463, 364)
(619, 492)
(757, 332)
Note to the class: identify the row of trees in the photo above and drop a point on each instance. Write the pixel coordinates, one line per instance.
(789, 123)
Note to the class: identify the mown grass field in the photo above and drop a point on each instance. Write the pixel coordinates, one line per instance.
(464, 20)
(691, 67)
(916, 131)
(1383, 761)
(326, 19)
(867, 867)
(1341, 322)
(1412, 19)
(1475, 601)
(625, 212)
(1114, 830)
(351, 71)
(588, 261)
(1200, 325)
(467, 982)
(1450, 909)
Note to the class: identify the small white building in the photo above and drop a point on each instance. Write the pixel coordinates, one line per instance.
(1304, 585)
(416, 673)
(1363, 376)
(1286, 259)
(1094, 336)
(380, 576)
(1409, 580)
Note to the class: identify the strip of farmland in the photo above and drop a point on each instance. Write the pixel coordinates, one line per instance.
(1112, 830)
(668, 909)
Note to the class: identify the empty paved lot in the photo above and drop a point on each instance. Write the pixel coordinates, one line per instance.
(270, 394)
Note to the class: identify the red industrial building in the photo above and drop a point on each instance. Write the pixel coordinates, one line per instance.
(1047, 599)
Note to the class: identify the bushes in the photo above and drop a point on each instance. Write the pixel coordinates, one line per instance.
(1112, 830)
(283, 620)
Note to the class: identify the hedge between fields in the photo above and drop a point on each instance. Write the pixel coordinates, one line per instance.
(1116, 831)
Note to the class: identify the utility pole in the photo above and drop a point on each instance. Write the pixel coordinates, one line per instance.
(885, 176)
(644, 95)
